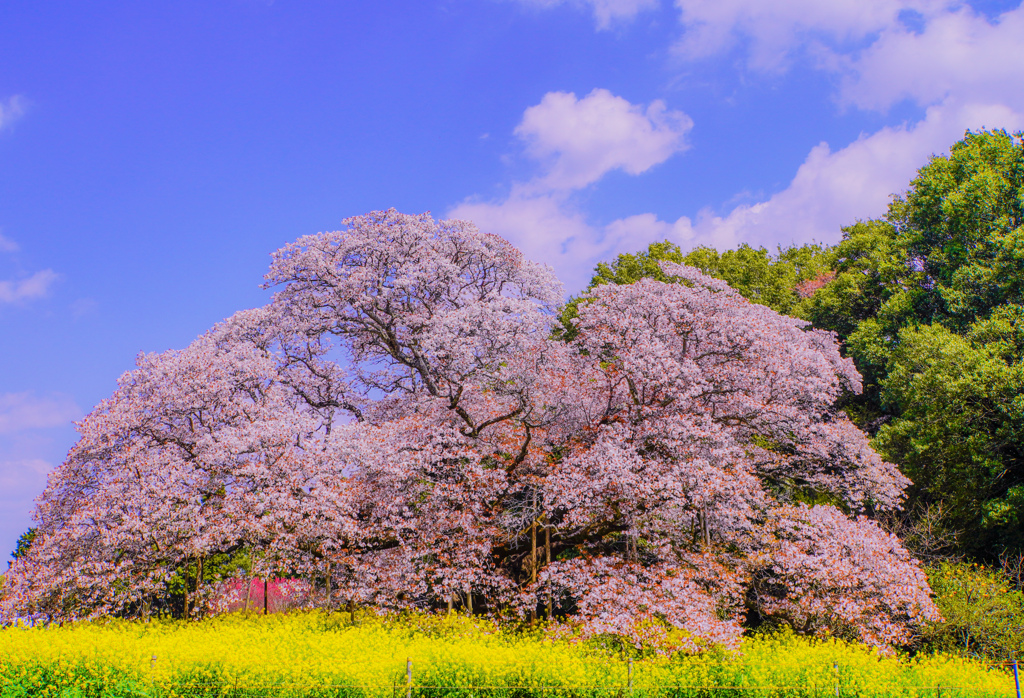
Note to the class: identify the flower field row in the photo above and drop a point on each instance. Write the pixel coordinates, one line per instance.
(314, 654)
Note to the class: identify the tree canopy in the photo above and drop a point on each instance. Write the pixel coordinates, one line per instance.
(415, 420)
(929, 304)
(400, 426)
(780, 281)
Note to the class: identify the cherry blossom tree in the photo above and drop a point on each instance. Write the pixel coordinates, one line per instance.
(819, 571)
(401, 422)
(198, 453)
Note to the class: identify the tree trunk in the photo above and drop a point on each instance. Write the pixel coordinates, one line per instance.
(533, 558)
(184, 584)
(329, 581)
(199, 577)
(547, 557)
(702, 528)
(250, 580)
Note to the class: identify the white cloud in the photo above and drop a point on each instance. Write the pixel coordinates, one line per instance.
(543, 226)
(606, 12)
(11, 110)
(36, 286)
(24, 411)
(773, 30)
(963, 68)
(830, 189)
(636, 232)
(582, 139)
(549, 229)
(577, 141)
(960, 55)
(8, 245)
(946, 50)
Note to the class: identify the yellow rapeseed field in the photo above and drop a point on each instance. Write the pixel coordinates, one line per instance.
(317, 654)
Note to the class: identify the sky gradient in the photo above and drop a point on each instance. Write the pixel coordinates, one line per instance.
(153, 155)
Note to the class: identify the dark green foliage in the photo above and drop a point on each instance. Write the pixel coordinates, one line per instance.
(24, 543)
(192, 581)
(950, 252)
(772, 280)
(961, 222)
(958, 429)
(930, 305)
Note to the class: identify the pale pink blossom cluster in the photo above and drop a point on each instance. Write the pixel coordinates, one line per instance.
(821, 571)
(400, 427)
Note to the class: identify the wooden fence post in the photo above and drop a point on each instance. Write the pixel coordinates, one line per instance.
(408, 678)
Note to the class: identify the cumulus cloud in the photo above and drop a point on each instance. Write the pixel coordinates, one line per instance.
(549, 228)
(8, 245)
(27, 454)
(24, 411)
(886, 50)
(576, 142)
(773, 30)
(961, 67)
(36, 286)
(957, 55)
(606, 12)
(11, 110)
(545, 227)
(830, 189)
(950, 59)
(582, 139)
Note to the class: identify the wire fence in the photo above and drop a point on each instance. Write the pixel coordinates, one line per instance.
(409, 688)
(326, 690)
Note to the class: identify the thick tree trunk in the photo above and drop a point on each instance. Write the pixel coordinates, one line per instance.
(533, 558)
(547, 557)
(199, 578)
(701, 532)
(328, 585)
(251, 579)
(185, 610)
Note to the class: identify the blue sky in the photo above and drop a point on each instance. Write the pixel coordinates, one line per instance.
(153, 155)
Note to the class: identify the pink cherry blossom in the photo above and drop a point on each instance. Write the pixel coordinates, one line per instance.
(399, 427)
